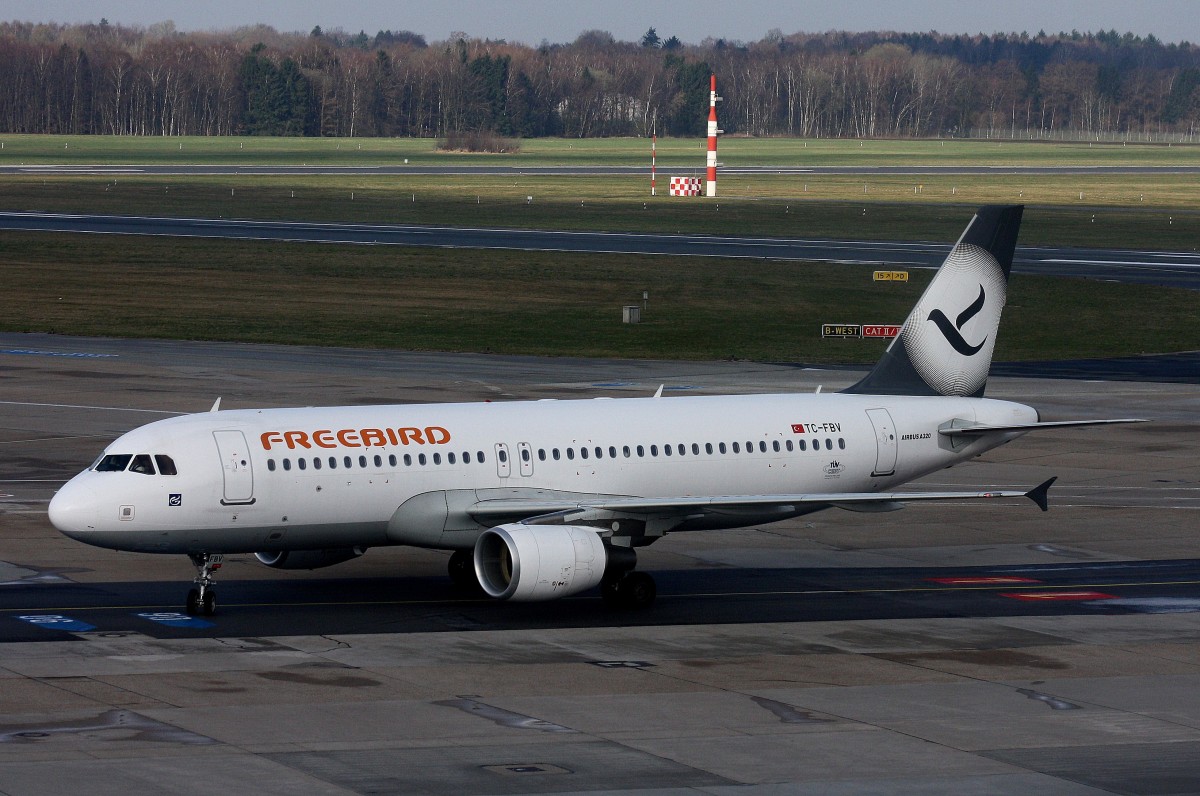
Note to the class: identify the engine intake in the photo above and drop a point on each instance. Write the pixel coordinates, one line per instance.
(527, 563)
(308, 559)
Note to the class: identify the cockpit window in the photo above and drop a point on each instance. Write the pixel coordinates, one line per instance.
(113, 463)
(166, 465)
(142, 464)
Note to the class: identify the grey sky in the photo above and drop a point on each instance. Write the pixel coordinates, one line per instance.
(532, 21)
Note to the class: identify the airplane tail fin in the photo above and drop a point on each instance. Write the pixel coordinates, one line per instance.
(945, 346)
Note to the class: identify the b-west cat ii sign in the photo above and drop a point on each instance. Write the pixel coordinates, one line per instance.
(846, 330)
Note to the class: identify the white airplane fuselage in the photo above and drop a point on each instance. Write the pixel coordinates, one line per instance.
(357, 477)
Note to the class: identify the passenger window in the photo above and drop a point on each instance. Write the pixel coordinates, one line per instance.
(502, 455)
(571, 454)
(554, 453)
(737, 448)
(625, 450)
(788, 443)
(599, 452)
(803, 445)
(348, 462)
(695, 449)
(828, 444)
(541, 454)
(583, 453)
(708, 448)
(392, 460)
(407, 460)
(524, 454)
(421, 459)
(641, 451)
(775, 445)
(166, 465)
(479, 455)
(287, 464)
(316, 464)
(302, 463)
(271, 465)
(721, 447)
(450, 458)
(378, 460)
(142, 464)
(466, 457)
(612, 452)
(437, 458)
(332, 462)
(653, 450)
(841, 443)
(114, 463)
(666, 450)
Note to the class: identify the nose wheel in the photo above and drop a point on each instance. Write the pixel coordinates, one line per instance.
(202, 598)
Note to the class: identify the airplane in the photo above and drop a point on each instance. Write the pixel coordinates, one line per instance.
(539, 500)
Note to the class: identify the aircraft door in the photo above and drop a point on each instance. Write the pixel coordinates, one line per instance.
(525, 455)
(235, 466)
(503, 462)
(885, 441)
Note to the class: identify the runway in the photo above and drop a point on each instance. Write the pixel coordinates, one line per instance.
(1165, 268)
(952, 649)
(577, 171)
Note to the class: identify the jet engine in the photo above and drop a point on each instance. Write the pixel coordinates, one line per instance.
(538, 562)
(308, 559)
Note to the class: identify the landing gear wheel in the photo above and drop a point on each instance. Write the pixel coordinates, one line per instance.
(202, 599)
(193, 602)
(462, 570)
(634, 590)
(610, 591)
(637, 590)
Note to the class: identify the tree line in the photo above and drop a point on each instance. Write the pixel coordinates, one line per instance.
(108, 79)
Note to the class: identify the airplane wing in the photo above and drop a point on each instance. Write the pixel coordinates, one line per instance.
(583, 508)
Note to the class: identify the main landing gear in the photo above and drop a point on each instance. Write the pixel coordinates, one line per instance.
(202, 598)
(623, 586)
(462, 570)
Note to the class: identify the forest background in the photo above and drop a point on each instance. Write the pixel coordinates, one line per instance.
(115, 80)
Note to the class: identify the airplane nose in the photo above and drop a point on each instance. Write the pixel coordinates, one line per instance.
(73, 509)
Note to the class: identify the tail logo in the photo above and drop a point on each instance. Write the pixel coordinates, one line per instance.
(951, 331)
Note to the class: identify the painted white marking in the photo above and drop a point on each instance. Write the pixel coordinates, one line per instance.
(84, 406)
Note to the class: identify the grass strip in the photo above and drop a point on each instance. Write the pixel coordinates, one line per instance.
(533, 303)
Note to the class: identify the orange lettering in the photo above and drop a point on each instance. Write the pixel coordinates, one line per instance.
(373, 437)
(410, 434)
(268, 437)
(437, 435)
(296, 439)
(349, 438)
(324, 438)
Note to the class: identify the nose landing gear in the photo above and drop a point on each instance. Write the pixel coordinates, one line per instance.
(202, 598)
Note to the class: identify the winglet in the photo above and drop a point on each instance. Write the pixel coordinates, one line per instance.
(216, 407)
(1040, 492)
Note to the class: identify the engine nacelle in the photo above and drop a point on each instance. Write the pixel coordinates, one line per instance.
(538, 562)
(308, 559)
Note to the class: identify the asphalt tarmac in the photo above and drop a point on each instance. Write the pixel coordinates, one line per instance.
(950, 649)
(1166, 268)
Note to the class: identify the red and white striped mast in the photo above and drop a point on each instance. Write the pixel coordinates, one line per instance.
(653, 166)
(711, 187)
